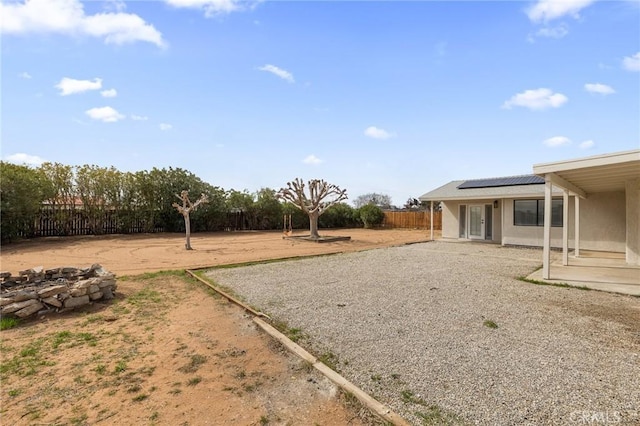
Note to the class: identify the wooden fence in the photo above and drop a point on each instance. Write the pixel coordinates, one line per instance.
(412, 219)
(62, 222)
(51, 222)
(59, 222)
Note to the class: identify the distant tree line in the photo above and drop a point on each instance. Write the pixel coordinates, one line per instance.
(384, 202)
(142, 202)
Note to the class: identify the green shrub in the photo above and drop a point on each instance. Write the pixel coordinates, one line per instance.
(371, 215)
(339, 215)
(23, 191)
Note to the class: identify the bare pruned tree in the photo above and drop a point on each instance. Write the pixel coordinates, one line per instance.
(322, 195)
(185, 209)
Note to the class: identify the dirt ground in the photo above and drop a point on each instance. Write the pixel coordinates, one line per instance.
(166, 350)
(134, 254)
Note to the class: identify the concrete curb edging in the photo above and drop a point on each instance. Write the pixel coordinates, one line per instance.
(227, 296)
(376, 407)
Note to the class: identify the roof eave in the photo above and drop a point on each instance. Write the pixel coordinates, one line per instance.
(486, 197)
(594, 161)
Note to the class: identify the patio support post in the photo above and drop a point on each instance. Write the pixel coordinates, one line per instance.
(576, 231)
(546, 245)
(632, 199)
(502, 221)
(431, 217)
(565, 227)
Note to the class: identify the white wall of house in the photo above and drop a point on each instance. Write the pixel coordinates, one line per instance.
(451, 210)
(497, 222)
(603, 222)
(632, 194)
(450, 219)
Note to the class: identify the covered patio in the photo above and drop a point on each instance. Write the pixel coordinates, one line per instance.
(595, 177)
(596, 270)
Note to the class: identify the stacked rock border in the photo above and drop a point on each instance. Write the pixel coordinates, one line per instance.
(38, 291)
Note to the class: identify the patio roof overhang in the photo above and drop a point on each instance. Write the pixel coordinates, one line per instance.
(601, 173)
(580, 177)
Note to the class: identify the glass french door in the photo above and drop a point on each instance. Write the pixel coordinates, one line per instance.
(476, 222)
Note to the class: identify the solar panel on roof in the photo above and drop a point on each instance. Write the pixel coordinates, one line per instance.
(501, 181)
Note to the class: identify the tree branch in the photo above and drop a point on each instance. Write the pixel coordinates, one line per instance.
(187, 207)
(319, 190)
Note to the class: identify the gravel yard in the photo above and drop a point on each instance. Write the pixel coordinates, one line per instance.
(414, 327)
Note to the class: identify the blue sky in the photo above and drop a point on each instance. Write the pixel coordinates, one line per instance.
(390, 97)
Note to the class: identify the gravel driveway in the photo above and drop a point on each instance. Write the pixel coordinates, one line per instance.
(412, 326)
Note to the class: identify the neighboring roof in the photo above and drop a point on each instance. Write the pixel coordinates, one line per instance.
(502, 181)
(600, 173)
(452, 191)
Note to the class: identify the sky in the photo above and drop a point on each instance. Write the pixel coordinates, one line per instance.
(391, 97)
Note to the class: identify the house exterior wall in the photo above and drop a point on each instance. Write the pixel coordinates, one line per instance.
(451, 210)
(497, 222)
(603, 222)
(450, 219)
(632, 195)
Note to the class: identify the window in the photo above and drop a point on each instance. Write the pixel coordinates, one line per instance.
(531, 212)
(462, 221)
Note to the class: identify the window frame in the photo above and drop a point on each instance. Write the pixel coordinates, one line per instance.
(557, 207)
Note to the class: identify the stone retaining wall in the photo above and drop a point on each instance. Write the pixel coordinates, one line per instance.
(37, 290)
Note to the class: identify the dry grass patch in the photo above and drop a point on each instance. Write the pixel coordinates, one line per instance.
(151, 356)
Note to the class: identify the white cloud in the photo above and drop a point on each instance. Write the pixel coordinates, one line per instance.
(22, 158)
(25, 75)
(215, 7)
(165, 126)
(548, 10)
(69, 86)
(68, 17)
(557, 141)
(632, 63)
(536, 99)
(110, 93)
(122, 28)
(115, 5)
(587, 144)
(139, 117)
(553, 32)
(283, 74)
(78, 121)
(376, 133)
(105, 114)
(602, 89)
(312, 159)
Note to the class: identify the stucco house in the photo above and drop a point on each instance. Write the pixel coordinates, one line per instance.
(590, 203)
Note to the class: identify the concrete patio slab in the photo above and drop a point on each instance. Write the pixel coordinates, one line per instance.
(602, 271)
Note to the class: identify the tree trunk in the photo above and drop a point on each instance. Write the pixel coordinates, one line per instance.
(313, 225)
(187, 226)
